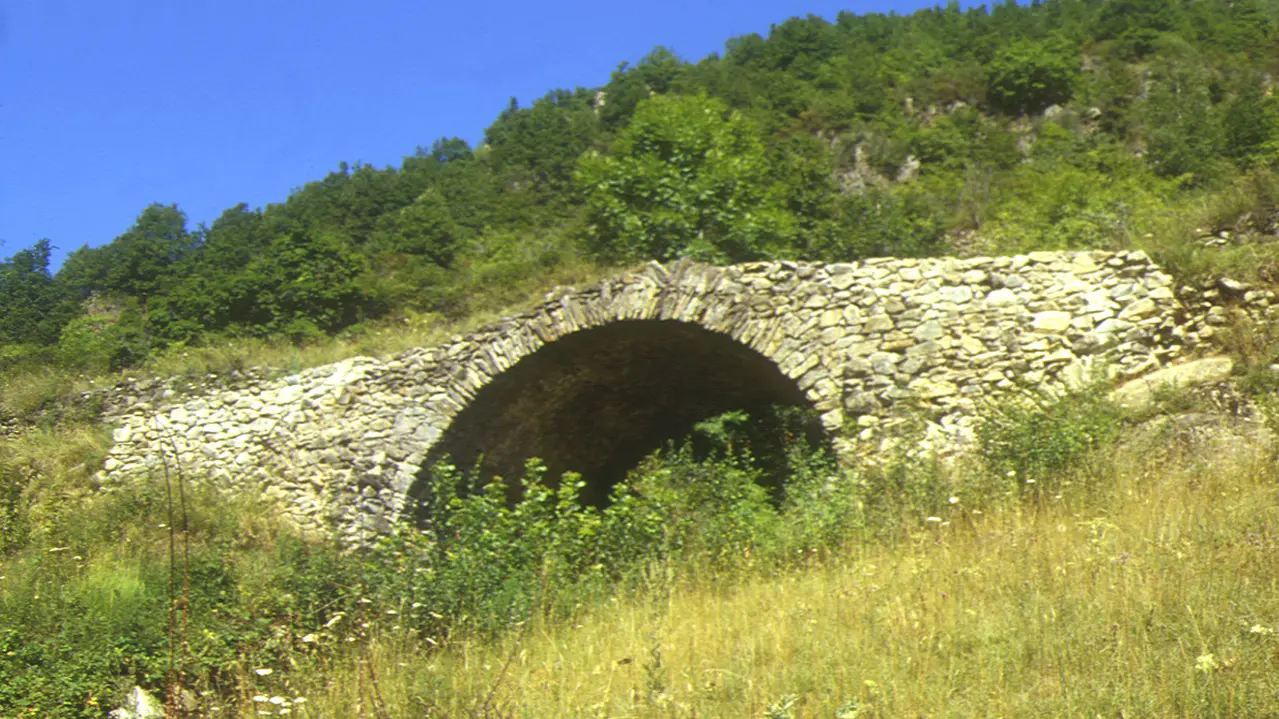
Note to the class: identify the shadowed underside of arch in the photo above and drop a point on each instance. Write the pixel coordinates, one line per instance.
(597, 401)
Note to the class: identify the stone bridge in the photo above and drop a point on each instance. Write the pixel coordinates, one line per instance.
(596, 377)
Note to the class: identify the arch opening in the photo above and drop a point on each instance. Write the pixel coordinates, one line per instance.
(598, 401)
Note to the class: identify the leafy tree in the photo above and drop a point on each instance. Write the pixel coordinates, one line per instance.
(789, 144)
(369, 194)
(424, 228)
(686, 178)
(231, 243)
(540, 145)
(466, 184)
(659, 72)
(83, 273)
(806, 169)
(450, 149)
(306, 280)
(212, 293)
(1251, 124)
(799, 47)
(1183, 128)
(139, 262)
(1135, 25)
(28, 298)
(1027, 77)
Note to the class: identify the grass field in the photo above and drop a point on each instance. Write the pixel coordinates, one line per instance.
(1142, 582)
(1154, 593)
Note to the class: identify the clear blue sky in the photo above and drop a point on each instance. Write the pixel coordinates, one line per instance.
(106, 107)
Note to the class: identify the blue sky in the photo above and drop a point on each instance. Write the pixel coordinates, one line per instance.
(106, 107)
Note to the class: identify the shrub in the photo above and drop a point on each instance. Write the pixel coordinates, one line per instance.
(1038, 438)
(1027, 77)
(100, 343)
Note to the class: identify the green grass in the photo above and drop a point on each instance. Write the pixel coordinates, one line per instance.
(1157, 596)
(1125, 582)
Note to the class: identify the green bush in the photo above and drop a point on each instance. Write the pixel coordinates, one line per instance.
(99, 343)
(1036, 440)
(87, 596)
(823, 507)
(483, 564)
(1027, 77)
(882, 223)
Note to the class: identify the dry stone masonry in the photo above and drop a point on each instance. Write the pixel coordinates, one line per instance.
(343, 446)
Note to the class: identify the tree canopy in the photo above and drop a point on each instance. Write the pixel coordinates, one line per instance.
(1057, 123)
(687, 177)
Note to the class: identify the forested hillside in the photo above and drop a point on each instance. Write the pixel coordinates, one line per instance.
(1056, 124)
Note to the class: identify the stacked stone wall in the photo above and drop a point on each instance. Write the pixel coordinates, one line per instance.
(341, 446)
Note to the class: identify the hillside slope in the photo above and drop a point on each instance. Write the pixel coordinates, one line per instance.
(1068, 124)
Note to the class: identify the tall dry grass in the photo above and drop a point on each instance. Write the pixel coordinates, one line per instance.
(1157, 596)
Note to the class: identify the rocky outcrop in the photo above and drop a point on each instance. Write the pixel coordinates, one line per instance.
(1140, 393)
(1225, 302)
(342, 446)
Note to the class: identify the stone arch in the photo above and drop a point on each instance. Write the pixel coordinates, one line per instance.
(599, 400)
(593, 380)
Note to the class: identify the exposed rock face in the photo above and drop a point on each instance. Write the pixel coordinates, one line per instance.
(1140, 393)
(140, 704)
(599, 375)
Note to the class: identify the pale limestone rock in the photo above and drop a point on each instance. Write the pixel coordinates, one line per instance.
(1141, 308)
(1051, 322)
(1139, 393)
(1002, 297)
(933, 389)
(1082, 264)
(879, 323)
(929, 330)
